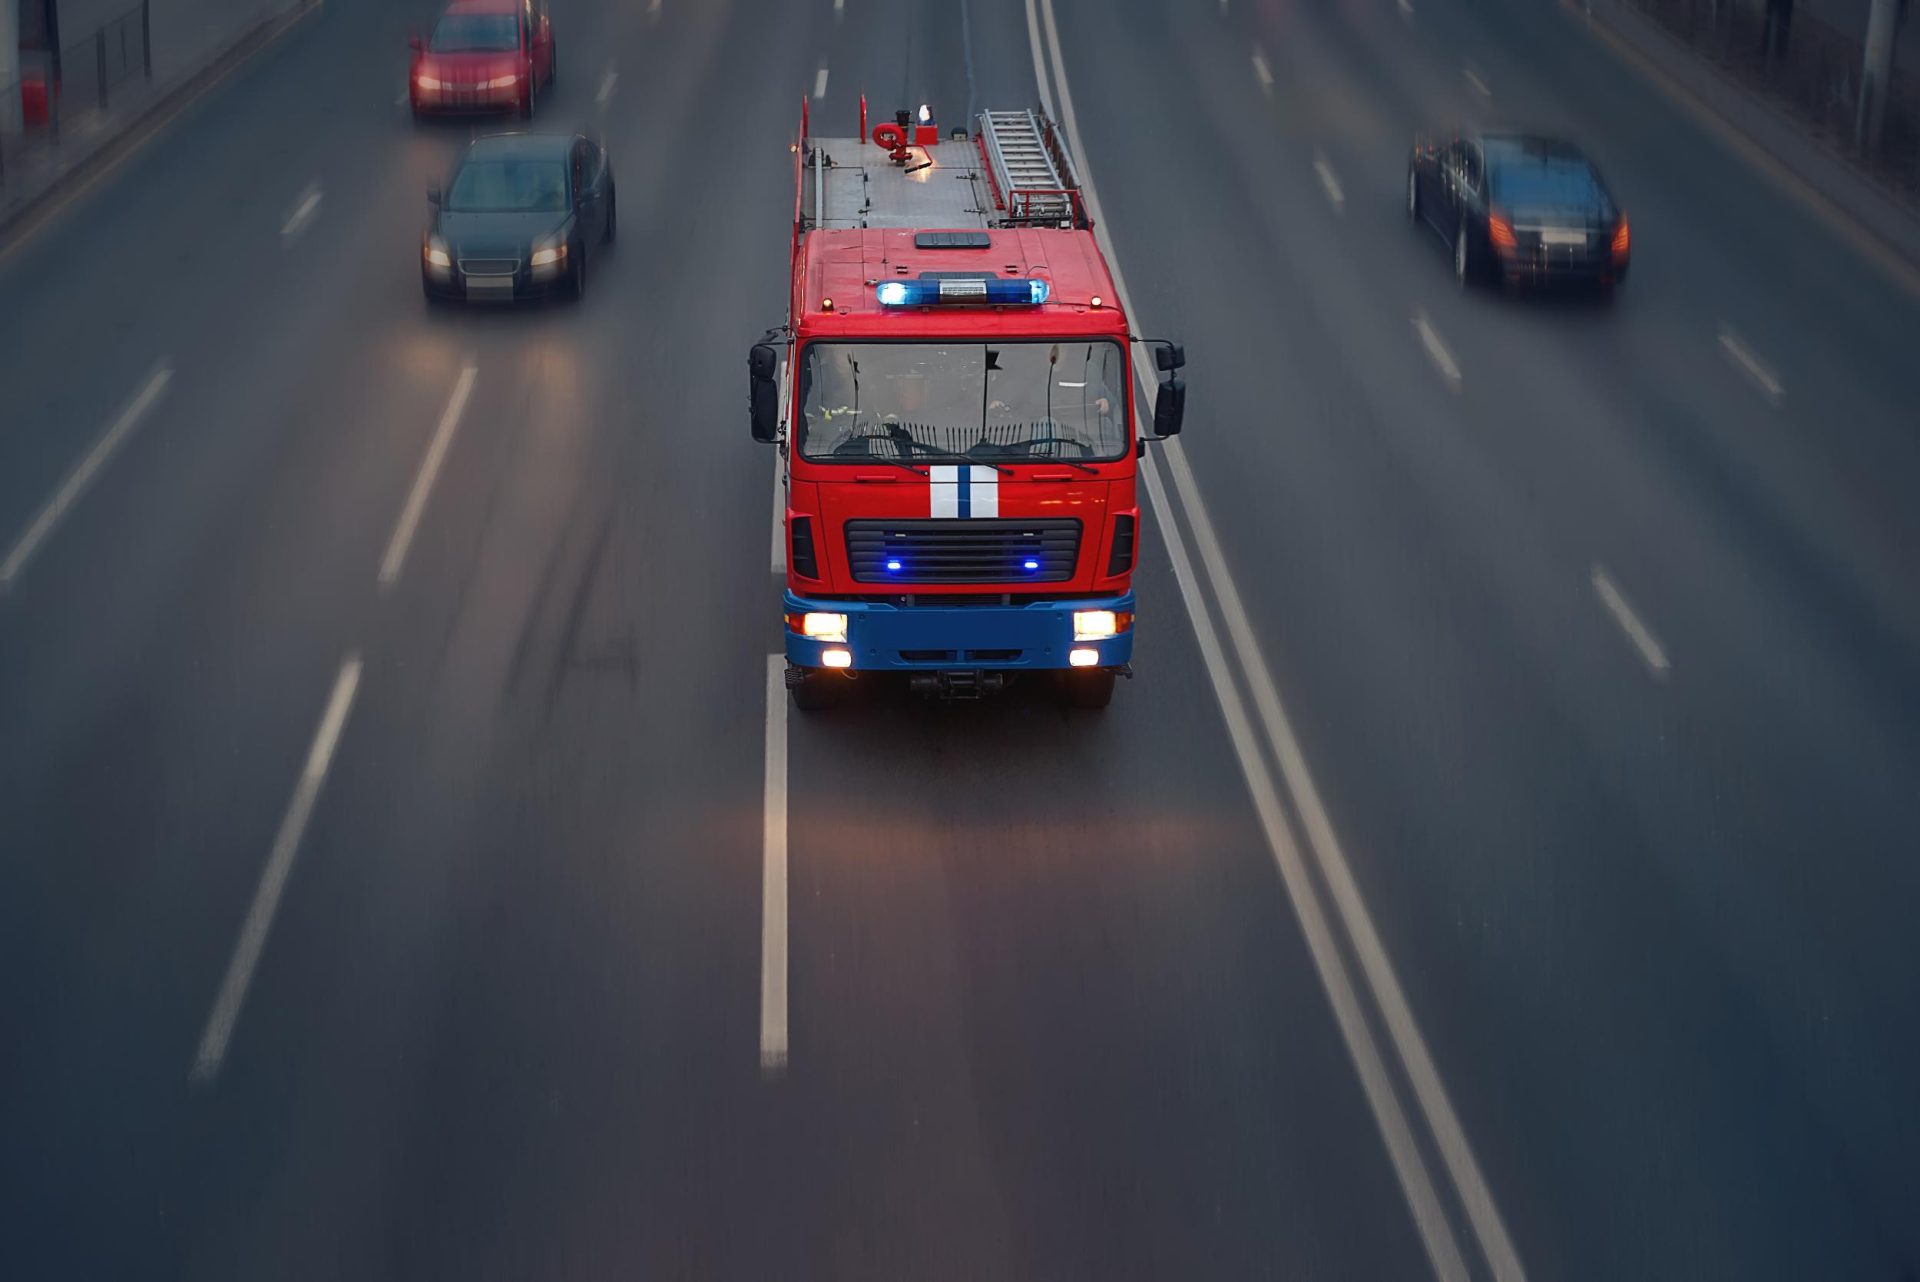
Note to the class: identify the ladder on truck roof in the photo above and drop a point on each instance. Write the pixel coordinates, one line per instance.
(1032, 173)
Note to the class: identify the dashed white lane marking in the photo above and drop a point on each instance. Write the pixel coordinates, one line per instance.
(423, 482)
(96, 458)
(1406, 10)
(1262, 71)
(839, 9)
(1474, 78)
(1437, 351)
(1752, 366)
(653, 10)
(1430, 1093)
(605, 95)
(273, 879)
(1643, 640)
(1329, 182)
(303, 213)
(820, 83)
(773, 878)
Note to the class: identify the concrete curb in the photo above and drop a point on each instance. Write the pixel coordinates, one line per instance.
(1878, 222)
(125, 135)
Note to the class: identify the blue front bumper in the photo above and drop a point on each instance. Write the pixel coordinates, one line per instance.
(931, 638)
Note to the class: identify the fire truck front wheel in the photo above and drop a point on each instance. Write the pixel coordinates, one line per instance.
(1087, 689)
(815, 691)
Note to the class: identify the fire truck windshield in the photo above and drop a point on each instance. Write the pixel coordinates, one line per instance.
(1005, 402)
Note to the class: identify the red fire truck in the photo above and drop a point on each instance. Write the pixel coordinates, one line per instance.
(952, 396)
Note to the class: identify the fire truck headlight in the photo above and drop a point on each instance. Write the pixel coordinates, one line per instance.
(818, 626)
(1098, 625)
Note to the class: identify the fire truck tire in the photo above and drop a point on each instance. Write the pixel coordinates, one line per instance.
(1088, 689)
(817, 693)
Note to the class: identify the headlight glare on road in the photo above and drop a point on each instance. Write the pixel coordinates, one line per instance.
(1098, 625)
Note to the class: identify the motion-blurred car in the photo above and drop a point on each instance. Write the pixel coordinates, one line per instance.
(483, 56)
(520, 217)
(1520, 209)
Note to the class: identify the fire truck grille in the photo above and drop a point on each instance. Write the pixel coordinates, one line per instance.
(963, 551)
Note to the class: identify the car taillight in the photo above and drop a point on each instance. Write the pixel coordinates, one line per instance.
(1621, 240)
(1500, 232)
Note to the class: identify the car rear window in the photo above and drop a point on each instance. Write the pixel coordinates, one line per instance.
(476, 33)
(1543, 174)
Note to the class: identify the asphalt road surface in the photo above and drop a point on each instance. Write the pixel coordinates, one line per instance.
(1504, 864)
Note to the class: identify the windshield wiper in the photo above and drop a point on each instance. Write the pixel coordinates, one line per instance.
(931, 454)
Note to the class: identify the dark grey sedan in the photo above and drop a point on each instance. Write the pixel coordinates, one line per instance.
(1517, 208)
(521, 217)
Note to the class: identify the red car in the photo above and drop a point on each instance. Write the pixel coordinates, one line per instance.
(483, 55)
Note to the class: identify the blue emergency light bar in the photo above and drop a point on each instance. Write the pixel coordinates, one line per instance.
(950, 291)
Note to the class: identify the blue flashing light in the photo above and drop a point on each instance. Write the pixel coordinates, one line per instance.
(893, 565)
(950, 291)
(1031, 564)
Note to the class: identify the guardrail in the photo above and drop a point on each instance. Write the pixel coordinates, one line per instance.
(1809, 69)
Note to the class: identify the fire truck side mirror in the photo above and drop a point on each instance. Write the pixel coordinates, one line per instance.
(1170, 407)
(1168, 357)
(763, 365)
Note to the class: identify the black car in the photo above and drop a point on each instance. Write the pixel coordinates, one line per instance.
(1518, 209)
(520, 217)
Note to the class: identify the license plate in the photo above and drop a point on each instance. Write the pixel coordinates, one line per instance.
(489, 287)
(1563, 238)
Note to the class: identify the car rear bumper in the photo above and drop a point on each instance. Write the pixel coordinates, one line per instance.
(932, 638)
(1558, 269)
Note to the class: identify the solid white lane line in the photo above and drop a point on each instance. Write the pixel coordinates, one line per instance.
(303, 211)
(1329, 182)
(423, 482)
(1752, 366)
(273, 879)
(1473, 78)
(773, 878)
(779, 514)
(820, 83)
(1436, 349)
(1261, 71)
(607, 83)
(1651, 651)
(70, 490)
(653, 10)
(839, 9)
(1444, 1124)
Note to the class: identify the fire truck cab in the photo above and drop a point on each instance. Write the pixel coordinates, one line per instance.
(953, 400)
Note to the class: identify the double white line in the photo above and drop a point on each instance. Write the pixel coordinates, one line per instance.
(1305, 812)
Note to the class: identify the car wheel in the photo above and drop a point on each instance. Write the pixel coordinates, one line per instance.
(526, 103)
(1413, 196)
(818, 692)
(577, 278)
(613, 211)
(1463, 263)
(1087, 689)
(553, 67)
